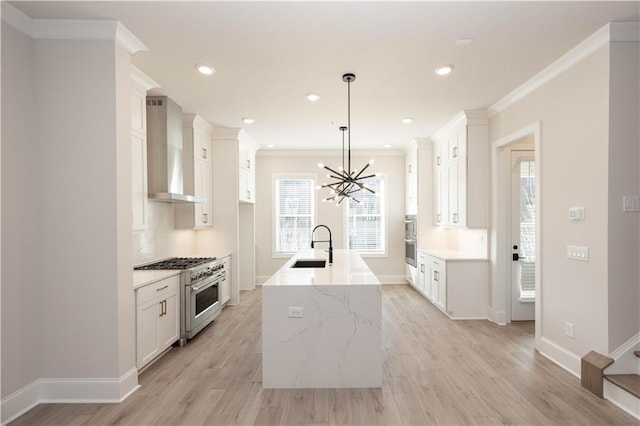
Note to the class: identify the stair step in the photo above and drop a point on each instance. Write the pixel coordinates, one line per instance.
(628, 382)
(637, 353)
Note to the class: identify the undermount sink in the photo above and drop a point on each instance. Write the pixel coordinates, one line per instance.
(310, 263)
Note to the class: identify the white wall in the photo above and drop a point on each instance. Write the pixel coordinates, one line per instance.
(589, 157)
(573, 110)
(624, 148)
(69, 310)
(21, 288)
(77, 141)
(301, 162)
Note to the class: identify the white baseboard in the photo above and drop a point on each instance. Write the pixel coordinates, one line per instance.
(561, 356)
(625, 361)
(622, 399)
(70, 391)
(497, 317)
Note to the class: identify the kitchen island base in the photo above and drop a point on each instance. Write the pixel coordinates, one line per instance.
(325, 331)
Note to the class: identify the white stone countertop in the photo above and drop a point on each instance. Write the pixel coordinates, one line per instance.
(146, 277)
(348, 269)
(452, 255)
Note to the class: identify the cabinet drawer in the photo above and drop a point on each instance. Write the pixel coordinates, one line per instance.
(157, 289)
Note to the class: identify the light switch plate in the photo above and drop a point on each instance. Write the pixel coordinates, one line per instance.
(630, 204)
(576, 213)
(578, 253)
(296, 312)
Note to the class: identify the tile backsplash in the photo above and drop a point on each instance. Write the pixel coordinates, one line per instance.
(161, 239)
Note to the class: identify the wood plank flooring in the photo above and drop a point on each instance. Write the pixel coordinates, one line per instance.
(436, 371)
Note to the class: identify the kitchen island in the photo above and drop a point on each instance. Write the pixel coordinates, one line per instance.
(321, 327)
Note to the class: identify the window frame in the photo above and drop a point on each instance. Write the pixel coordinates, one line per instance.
(384, 210)
(274, 208)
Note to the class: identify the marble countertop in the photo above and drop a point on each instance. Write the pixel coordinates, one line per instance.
(146, 277)
(348, 269)
(452, 255)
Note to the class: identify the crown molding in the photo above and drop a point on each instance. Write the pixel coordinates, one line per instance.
(194, 120)
(142, 80)
(585, 48)
(226, 132)
(17, 19)
(71, 29)
(471, 117)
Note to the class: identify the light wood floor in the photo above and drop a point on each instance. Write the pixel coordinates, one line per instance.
(437, 371)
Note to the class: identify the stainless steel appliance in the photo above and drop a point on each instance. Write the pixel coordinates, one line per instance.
(164, 152)
(410, 240)
(200, 297)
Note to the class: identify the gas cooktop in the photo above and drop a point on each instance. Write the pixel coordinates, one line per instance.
(176, 263)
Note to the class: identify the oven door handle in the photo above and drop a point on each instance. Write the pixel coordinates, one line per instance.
(204, 286)
(409, 240)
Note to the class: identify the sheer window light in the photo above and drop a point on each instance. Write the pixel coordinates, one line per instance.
(366, 221)
(294, 214)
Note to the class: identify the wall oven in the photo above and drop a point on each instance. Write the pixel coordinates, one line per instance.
(410, 240)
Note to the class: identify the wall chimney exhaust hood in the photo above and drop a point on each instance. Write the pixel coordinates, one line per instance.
(164, 152)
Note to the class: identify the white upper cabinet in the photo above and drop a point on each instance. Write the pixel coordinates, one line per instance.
(411, 181)
(247, 172)
(140, 83)
(198, 175)
(461, 177)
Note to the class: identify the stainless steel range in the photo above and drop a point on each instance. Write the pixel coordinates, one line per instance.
(200, 296)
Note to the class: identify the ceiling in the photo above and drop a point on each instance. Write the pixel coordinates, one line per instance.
(269, 55)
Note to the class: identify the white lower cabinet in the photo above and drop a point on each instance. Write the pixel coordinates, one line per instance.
(458, 287)
(225, 285)
(422, 282)
(157, 318)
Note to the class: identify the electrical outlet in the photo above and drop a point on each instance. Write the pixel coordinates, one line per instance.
(630, 203)
(295, 312)
(578, 253)
(569, 329)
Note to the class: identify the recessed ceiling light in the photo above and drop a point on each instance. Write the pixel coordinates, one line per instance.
(407, 120)
(387, 146)
(247, 120)
(312, 97)
(464, 41)
(205, 69)
(444, 69)
(270, 145)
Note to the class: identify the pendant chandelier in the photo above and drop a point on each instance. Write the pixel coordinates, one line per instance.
(346, 182)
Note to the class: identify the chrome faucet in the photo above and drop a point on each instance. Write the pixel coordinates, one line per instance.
(324, 241)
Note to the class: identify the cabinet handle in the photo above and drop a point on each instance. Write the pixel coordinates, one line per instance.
(162, 288)
(439, 218)
(455, 151)
(436, 276)
(161, 309)
(205, 218)
(438, 160)
(248, 195)
(455, 218)
(164, 307)
(204, 153)
(248, 164)
(409, 168)
(421, 268)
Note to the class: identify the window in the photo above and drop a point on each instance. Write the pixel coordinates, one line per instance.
(294, 214)
(366, 222)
